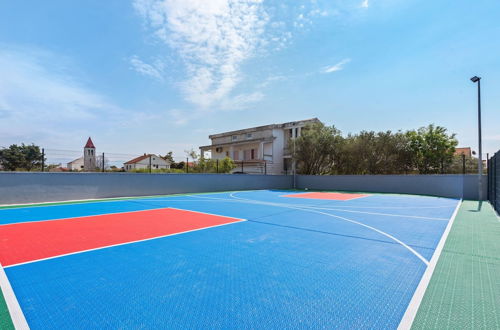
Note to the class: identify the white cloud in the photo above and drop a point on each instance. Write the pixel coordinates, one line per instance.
(40, 99)
(241, 101)
(154, 70)
(336, 67)
(365, 4)
(213, 38)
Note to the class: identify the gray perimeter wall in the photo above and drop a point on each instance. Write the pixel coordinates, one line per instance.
(448, 185)
(26, 187)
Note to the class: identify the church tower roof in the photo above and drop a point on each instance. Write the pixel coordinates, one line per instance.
(89, 144)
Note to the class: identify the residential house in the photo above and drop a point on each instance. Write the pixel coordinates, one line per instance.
(463, 151)
(145, 161)
(262, 149)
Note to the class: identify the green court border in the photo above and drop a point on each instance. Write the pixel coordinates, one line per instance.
(464, 289)
(5, 321)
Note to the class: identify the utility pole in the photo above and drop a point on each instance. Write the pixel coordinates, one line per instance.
(43, 159)
(477, 80)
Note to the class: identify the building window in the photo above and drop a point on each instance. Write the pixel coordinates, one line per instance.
(234, 137)
(218, 149)
(252, 154)
(249, 135)
(227, 153)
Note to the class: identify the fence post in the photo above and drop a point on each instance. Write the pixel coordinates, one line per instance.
(217, 166)
(149, 164)
(187, 165)
(103, 161)
(463, 163)
(43, 159)
(265, 168)
(242, 170)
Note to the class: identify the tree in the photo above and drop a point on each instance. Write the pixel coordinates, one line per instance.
(322, 150)
(99, 160)
(373, 153)
(432, 148)
(169, 157)
(23, 157)
(317, 148)
(207, 165)
(192, 154)
(226, 165)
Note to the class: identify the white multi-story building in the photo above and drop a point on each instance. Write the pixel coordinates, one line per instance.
(145, 161)
(262, 149)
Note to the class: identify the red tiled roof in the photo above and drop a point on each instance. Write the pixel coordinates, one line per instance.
(89, 144)
(138, 159)
(463, 151)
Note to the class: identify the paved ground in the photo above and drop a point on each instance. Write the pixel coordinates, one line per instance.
(464, 292)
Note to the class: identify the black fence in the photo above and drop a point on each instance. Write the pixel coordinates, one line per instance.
(494, 181)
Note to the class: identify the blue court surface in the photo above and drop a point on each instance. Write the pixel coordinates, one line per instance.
(294, 263)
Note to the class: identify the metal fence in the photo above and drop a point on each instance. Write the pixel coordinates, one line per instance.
(62, 160)
(494, 181)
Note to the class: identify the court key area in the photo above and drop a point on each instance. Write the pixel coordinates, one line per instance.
(246, 259)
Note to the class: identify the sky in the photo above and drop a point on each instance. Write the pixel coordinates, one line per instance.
(152, 76)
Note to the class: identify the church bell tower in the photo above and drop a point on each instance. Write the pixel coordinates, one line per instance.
(89, 157)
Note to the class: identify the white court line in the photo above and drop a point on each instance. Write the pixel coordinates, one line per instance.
(132, 242)
(319, 199)
(416, 300)
(15, 311)
(111, 213)
(84, 216)
(418, 255)
(217, 215)
(106, 199)
(375, 213)
(228, 200)
(326, 208)
(343, 206)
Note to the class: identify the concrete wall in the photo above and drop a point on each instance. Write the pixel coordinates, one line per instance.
(456, 186)
(26, 187)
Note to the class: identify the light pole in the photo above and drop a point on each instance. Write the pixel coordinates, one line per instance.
(477, 80)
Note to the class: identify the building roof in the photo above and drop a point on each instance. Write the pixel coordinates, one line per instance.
(260, 128)
(138, 159)
(463, 151)
(145, 156)
(89, 144)
(216, 145)
(76, 160)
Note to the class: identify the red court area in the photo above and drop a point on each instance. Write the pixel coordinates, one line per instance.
(29, 241)
(327, 195)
